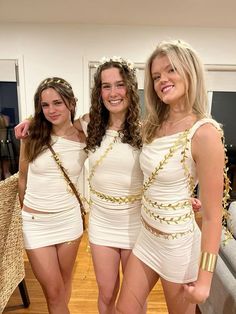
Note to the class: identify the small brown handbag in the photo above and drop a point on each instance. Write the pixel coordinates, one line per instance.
(70, 183)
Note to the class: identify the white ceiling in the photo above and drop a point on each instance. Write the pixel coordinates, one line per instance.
(189, 13)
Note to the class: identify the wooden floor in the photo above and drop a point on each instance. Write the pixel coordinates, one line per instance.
(84, 295)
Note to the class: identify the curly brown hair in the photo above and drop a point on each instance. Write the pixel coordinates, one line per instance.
(99, 115)
(40, 128)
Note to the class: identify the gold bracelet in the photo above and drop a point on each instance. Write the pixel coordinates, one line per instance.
(208, 261)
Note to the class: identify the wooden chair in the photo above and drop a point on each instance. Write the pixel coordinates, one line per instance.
(11, 243)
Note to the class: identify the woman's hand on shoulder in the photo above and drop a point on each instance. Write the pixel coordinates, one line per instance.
(21, 130)
(85, 117)
(77, 122)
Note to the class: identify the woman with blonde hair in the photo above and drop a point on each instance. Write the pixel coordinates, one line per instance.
(182, 146)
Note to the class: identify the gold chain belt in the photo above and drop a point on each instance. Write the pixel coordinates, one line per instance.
(173, 220)
(117, 199)
(164, 235)
(172, 206)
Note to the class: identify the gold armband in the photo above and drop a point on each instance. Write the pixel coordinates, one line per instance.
(208, 261)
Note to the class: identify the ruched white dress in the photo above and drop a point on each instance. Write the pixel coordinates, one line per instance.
(115, 188)
(47, 191)
(169, 180)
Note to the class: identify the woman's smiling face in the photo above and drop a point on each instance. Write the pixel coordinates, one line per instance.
(114, 91)
(168, 84)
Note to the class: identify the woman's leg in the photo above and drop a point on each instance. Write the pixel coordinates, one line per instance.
(67, 253)
(176, 303)
(125, 254)
(106, 261)
(138, 281)
(45, 265)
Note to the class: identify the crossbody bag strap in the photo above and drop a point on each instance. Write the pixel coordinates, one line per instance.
(69, 182)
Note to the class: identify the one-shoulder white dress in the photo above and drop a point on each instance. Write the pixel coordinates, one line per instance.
(169, 239)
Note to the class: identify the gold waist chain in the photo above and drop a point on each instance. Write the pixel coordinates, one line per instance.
(167, 236)
(165, 206)
(172, 220)
(117, 199)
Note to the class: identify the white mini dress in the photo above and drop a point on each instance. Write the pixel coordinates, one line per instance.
(115, 191)
(166, 207)
(47, 191)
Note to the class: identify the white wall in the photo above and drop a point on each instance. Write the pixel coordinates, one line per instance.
(65, 50)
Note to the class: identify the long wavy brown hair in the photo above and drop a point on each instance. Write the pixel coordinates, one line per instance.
(40, 128)
(99, 115)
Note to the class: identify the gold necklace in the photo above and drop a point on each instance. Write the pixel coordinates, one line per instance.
(172, 124)
(178, 121)
(67, 134)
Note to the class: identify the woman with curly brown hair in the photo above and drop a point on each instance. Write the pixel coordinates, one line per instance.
(115, 179)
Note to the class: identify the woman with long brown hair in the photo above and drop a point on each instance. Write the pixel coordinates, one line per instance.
(115, 179)
(52, 224)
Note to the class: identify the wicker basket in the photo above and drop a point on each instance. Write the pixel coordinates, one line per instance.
(11, 240)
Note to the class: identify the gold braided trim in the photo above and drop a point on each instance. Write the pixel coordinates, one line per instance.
(170, 206)
(226, 196)
(96, 164)
(117, 199)
(227, 235)
(160, 234)
(181, 139)
(106, 197)
(173, 220)
(190, 178)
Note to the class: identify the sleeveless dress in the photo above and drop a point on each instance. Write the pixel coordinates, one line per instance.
(167, 208)
(115, 191)
(47, 191)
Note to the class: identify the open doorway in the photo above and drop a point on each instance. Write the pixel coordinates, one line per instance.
(9, 117)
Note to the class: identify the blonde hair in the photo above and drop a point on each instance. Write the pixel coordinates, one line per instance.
(188, 65)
